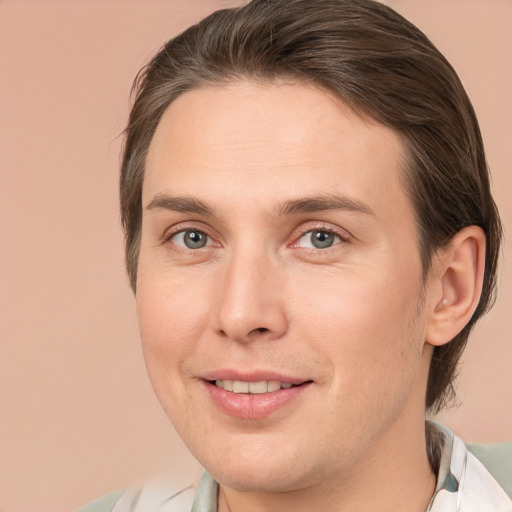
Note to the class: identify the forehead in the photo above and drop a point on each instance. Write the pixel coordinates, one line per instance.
(278, 140)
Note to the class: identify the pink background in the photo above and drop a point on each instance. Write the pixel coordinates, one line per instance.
(78, 417)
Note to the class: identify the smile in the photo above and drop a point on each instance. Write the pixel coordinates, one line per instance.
(253, 388)
(255, 399)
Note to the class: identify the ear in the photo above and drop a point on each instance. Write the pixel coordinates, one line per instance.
(456, 284)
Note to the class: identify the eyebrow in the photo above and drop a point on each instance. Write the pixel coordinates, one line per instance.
(179, 204)
(295, 206)
(323, 203)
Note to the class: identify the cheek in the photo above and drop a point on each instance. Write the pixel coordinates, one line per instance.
(172, 321)
(344, 302)
(366, 327)
(170, 303)
(172, 316)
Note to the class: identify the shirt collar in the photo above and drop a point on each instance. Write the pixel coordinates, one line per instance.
(463, 483)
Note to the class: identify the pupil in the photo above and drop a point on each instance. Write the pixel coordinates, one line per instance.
(322, 239)
(195, 239)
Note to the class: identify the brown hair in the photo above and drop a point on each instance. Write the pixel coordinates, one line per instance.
(379, 64)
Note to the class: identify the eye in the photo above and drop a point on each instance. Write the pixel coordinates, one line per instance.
(190, 239)
(318, 239)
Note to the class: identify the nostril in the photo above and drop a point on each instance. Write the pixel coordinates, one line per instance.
(261, 329)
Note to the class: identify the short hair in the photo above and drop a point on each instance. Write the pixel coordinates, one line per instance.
(382, 67)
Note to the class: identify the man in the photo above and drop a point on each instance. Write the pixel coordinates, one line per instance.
(310, 236)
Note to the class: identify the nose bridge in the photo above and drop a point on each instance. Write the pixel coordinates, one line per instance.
(249, 304)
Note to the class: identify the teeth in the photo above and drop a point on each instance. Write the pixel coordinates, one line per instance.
(260, 387)
(240, 387)
(273, 385)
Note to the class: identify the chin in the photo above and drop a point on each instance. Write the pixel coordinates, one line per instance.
(257, 479)
(260, 468)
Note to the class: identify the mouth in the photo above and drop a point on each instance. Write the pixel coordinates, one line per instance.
(253, 388)
(255, 399)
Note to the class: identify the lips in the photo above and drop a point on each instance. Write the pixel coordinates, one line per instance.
(255, 396)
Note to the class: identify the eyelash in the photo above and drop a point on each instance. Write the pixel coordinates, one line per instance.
(168, 236)
(344, 238)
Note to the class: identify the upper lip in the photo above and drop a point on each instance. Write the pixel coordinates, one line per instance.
(252, 376)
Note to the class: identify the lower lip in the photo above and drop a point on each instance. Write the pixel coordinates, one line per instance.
(253, 406)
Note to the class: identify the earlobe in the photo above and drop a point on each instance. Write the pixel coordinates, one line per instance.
(459, 272)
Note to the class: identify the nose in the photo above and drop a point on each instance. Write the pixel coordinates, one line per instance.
(251, 300)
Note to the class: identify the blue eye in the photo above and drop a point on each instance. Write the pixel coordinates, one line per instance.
(318, 239)
(190, 239)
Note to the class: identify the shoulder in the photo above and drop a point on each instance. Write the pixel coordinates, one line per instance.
(104, 504)
(141, 500)
(468, 483)
(154, 496)
(497, 459)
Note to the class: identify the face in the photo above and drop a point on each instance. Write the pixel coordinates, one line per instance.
(280, 285)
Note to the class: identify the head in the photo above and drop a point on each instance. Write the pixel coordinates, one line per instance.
(380, 66)
(406, 147)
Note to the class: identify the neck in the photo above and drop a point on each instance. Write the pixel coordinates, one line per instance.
(389, 477)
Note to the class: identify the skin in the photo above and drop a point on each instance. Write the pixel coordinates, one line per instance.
(356, 318)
